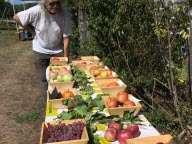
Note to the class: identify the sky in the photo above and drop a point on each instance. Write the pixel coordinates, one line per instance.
(16, 2)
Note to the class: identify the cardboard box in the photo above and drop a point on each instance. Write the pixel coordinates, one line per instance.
(61, 85)
(93, 59)
(112, 90)
(81, 64)
(59, 61)
(105, 76)
(44, 133)
(120, 110)
(166, 139)
(57, 103)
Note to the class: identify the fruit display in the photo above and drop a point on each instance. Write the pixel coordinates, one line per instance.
(111, 86)
(93, 59)
(60, 74)
(161, 139)
(60, 77)
(121, 102)
(58, 61)
(67, 131)
(100, 74)
(115, 132)
(62, 98)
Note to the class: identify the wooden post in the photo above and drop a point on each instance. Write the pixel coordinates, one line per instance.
(190, 59)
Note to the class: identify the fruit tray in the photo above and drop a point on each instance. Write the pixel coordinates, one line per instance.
(81, 64)
(162, 139)
(120, 110)
(103, 74)
(57, 103)
(58, 61)
(94, 67)
(111, 86)
(44, 133)
(61, 85)
(93, 59)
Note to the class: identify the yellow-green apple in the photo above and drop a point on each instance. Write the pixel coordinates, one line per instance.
(129, 103)
(60, 78)
(111, 134)
(122, 96)
(67, 77)
(104, 74)
(111, 102)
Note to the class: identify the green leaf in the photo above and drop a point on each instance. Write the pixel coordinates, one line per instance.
(82, 110)
(65, 116)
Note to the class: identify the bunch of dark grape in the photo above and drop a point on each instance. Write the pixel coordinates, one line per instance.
(63, 132)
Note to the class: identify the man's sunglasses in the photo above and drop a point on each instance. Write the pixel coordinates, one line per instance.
(55, 3)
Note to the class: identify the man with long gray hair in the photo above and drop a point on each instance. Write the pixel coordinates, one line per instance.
(50, 26)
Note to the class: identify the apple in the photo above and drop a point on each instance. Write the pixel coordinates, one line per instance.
(67, 94)
(122, 97)
(67, 77)
(159, 143)
(134, 129)
(84, 63)
(53, 75)
(60, 78)
(111, 134)
(129, 103)
(104, 74)
(113, 84)
(93, 67)
(115, 124)
(111, 102)
(63, 68)
(110, 73)
(55, 59)
(101, 64)
(96, 73)
(123, 135)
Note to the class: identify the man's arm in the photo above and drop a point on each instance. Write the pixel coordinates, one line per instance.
(28, 27)
(66, 46)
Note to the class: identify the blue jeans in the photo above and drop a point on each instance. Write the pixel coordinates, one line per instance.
(41, 62)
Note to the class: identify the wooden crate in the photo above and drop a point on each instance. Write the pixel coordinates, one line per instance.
(111, 90)
(57, 103)
(114, 75)
(81, 64)
(44, 133)
(120, 110)
(61, 61)
(166, 139)
(93, 59)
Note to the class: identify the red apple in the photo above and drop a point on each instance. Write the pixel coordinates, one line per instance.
(123, 135)
(129, 103)
(111, 134)
(122, 96)
(111, 102)
(134, 129)
(115, 124)
(109, 73)
(113, 84)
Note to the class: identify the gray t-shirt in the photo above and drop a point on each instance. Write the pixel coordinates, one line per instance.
(50, 29)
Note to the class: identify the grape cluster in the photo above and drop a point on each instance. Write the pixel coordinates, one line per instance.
(63, 132)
